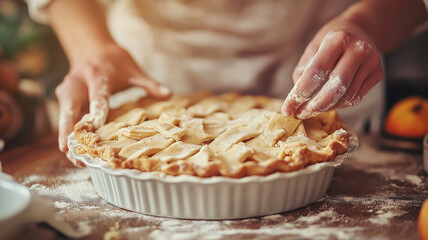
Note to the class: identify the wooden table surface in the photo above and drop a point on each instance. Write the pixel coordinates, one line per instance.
(375, 194)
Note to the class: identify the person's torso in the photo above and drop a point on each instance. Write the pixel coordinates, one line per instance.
(221, 45)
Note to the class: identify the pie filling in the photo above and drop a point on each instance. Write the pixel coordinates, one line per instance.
(206, 135)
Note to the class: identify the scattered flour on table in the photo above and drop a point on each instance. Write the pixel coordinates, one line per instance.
(274, 217)
(73, 192)
(75, 185)
(382, 208)
(217, 230)
(33, 178)
(383, 218)
(415, 179)
(170, 229)
(315, 218)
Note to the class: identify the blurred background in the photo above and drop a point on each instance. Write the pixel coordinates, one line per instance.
(32, 63)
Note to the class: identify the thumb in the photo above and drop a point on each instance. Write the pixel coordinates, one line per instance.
(98, 111)
(99, 92)
(153, 88)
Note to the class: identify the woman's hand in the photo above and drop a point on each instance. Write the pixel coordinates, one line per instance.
(339, 66)
(90, 82)
(99, 67)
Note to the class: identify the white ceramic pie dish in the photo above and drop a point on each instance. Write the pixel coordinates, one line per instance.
(190, 197)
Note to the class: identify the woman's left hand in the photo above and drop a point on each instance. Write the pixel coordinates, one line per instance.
(339, 66)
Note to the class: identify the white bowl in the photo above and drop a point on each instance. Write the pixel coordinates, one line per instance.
(14, 200)
(191, 197)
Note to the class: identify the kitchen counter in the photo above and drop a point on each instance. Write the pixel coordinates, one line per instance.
(375, 194)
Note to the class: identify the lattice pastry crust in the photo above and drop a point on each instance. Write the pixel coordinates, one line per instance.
(206, 135)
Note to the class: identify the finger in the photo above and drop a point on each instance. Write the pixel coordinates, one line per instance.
(71, 95)
(99, 92)
(304, 60)
(152, 87)
(337, 85)
(316, 72)
(73, 160)
(370, 82)
(371, 66)
(348, 99)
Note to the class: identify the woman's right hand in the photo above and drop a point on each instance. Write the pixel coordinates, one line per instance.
(90, 82)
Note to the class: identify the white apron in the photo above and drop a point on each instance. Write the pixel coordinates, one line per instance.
(250, 46)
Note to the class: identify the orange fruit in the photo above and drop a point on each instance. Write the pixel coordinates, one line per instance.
(423, 221)
(408, 118)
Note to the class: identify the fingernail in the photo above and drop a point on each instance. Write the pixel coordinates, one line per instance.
(80, 164)
(73, 160)
(284, 109)
(61, 145)
(164, 90)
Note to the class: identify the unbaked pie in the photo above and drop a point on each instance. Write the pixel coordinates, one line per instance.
(207, 135)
